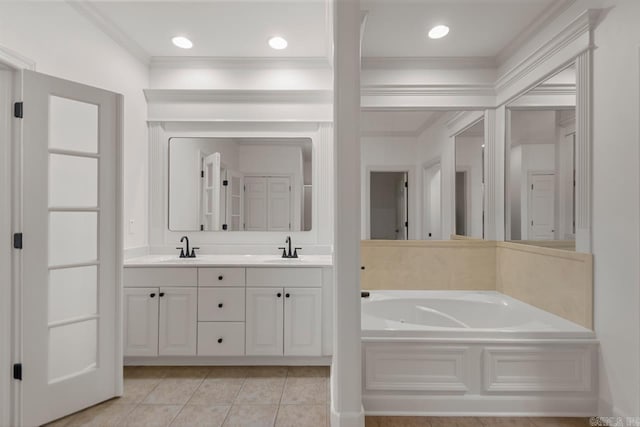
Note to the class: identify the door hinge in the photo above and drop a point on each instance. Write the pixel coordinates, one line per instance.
(17, 371)
(201, 227)
(532, 223)
(17, 240)
(406, 184)
(532, 186)
(406, 223)
(201, 174)
(225, 182)
(225, 226)
(18, 110)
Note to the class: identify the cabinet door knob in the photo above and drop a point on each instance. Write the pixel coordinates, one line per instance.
(161, 294)
(152, 295)
(279, 294)
(219, 340)
(287, 295)
(220, 277)
(220, 305)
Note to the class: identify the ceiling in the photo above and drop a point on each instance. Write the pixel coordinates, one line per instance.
(479, 28)
(223, 29)
(241, 28)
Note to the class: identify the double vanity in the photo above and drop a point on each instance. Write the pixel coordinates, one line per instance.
(228, 309)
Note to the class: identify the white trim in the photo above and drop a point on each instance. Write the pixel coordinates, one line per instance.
(310, 96)
(227, 361)
(485, 90)
(168, 62)
(108, 27)
(428, 63)
(14, 60)
(464, 120)
(426, 193)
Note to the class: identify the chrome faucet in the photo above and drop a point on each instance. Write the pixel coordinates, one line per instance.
(289, 254)
(184, 252)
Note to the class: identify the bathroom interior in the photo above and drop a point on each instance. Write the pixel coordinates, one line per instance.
(320, 213)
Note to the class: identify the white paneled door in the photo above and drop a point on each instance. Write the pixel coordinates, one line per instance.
(71, 258)
(542, 206)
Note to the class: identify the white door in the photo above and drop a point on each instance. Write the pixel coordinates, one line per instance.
(235, 201)
(264, 322)
(141, 321)
(71, 277)
(211, 192)
(255, 203)
(432, 203)
(402, 197)
(178, 321)
(542, 206)
(302, 322)
(279, 204)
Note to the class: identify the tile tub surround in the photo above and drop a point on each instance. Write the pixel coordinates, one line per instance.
(214, 396)
(557, 281)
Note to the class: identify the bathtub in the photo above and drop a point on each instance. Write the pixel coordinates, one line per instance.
(473, 353)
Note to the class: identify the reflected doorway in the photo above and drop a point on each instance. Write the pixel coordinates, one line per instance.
(389, 206)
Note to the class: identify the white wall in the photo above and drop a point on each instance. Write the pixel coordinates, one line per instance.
(469, 158)
(64, 44)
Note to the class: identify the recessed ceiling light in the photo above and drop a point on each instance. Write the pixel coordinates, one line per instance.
(182, 42)
(438, 32)
(278, 43)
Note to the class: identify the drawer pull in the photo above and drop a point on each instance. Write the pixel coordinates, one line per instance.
(279, 295)
(220, 305)
(152, 295)
(161, 294)
(220, 277)
(287, 295)
(219, 340)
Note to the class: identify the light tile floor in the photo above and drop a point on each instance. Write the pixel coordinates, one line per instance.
(193, 396)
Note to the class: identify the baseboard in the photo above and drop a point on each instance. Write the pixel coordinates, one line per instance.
(485, 406)
(228, 361)
(347, 419)
(606, 409)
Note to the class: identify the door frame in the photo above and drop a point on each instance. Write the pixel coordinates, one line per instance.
(426, 193)
(410, 170)
(530, 174)
(11, 222)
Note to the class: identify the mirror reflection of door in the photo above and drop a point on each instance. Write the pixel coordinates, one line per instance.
(389, 202)
(461, 203)
(542, 206)
(432, 203)
(267, 203)
(469, 181)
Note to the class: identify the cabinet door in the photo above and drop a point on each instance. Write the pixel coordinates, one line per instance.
(141, 321)
(303, 322)
(264, 324)
(178, 321)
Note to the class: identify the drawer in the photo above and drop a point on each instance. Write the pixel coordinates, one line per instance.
(136, 277)
(221, 277)
(294, 277)
(220, 338)
(221, 304)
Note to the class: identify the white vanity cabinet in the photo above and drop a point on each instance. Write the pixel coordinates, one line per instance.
(209, 311)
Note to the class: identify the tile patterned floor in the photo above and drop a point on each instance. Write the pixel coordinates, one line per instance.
(193, 396)
(214, 396)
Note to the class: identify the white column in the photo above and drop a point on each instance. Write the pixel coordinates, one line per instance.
(346, 396)
(494, 220)
(158, 167)
(584, 115)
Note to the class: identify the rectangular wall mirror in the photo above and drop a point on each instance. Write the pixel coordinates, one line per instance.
(469, 182)
(540, 176)
(240, 184)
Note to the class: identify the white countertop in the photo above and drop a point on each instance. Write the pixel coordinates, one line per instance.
(230, 261)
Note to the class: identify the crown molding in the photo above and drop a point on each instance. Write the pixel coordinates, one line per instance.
(555, 9)
(428, 63)
(554, 89)
(160, 62)
(14, 60)
(582, 25)
(238, 96)
(240, 126)
(93, 15)
(429, 90)
(463, 120)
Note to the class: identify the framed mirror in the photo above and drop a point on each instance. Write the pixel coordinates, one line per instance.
(240, 184)
(541, 165)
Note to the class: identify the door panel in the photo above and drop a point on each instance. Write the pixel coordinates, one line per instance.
(303, 322)
(255, 203)
(264, 322)
(279, 206)
(178, 321)
(70, 143)
(542, 207)
(141, 321)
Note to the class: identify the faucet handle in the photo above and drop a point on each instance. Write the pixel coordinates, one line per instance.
(284, 252)
(295, 252)
(193, 252)
(182, 255)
